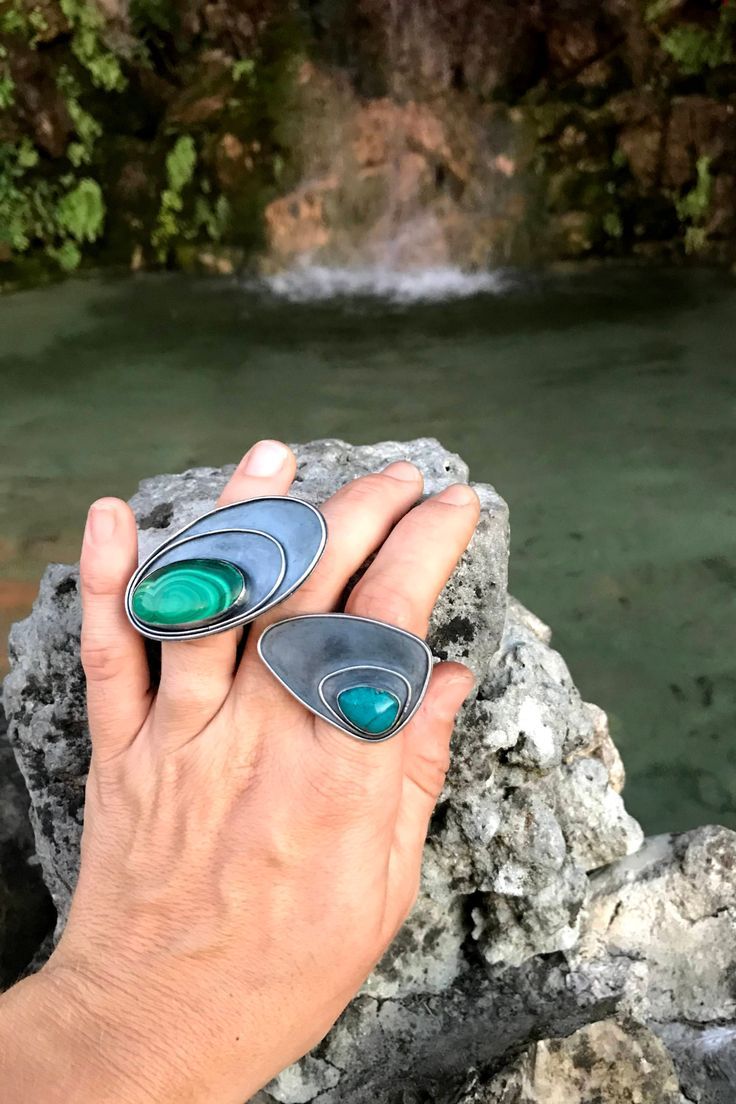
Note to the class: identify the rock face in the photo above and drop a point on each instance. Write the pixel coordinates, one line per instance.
(607, 1062)
(26, 914)
(463, 131)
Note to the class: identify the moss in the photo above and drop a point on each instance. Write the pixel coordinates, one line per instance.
(87, 202)
(698, 48)
(693, 207)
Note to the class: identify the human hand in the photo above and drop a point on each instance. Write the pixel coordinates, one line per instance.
(244, 863)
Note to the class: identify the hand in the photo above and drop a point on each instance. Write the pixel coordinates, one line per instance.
(244, 863)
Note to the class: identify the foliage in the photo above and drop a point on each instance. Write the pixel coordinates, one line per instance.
(697, 49)
(7, 84)
(205, 215)
(243, 69)
(62, 214)
(87, 23)
(693, 207)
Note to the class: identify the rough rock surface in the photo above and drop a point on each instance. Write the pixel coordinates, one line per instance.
(26, 913)
(607, 1062)
(669, 914)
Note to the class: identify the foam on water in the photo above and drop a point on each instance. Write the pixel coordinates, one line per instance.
(311, 282)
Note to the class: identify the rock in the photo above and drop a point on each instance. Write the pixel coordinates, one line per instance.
(26, 914)
(669, 913)
(672, 909)
(698, 127)
(606, 1062)
(395, 178)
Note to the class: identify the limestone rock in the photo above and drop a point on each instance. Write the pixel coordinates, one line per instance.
(669, 914)
(608, 1062)
(25, 909)
(671, 908)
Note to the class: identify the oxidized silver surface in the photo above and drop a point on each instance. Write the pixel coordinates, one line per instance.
(275, 541)
(317, 656)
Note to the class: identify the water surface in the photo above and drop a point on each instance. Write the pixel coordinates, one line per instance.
(601, 405)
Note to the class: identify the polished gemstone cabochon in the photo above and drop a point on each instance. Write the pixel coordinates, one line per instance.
(368, 708)
(190, 592)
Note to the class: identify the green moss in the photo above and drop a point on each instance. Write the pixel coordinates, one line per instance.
(693, 207)
(87, 24)
(698, 48)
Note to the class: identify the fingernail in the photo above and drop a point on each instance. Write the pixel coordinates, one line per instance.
(403, 470)
(265, 458)
(459, 494)
(101, 523)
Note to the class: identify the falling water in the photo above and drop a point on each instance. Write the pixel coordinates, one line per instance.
(410, 195)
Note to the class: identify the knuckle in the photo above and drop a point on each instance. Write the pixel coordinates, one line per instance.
(384, 599)
(101, 661)
(98, 582)
(367, 489)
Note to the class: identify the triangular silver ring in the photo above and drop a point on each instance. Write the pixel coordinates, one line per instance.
(363, 676)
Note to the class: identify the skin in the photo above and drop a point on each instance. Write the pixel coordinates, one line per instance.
(244, 864)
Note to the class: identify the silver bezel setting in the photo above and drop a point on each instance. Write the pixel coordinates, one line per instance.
(327, 713)
(236, 615)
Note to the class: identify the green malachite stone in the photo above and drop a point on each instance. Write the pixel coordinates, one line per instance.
(187, 593)
(369, 709)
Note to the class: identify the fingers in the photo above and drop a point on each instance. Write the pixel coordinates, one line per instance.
(196, 675)
(359, 518)
(266, 466)
(401, 587)
(403, 583)
(113, 653)
(426, 761)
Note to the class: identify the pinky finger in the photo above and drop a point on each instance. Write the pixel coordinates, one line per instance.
(426, 760)
(113, 653)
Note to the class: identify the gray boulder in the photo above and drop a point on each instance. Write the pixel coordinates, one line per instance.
(607, 1062)
(26, 913)
(669, 914)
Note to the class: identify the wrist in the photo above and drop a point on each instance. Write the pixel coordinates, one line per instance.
(60, 1044)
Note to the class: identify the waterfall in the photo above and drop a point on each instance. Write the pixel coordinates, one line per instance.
(409, 194)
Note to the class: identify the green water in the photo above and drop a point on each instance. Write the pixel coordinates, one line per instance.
(601, 405)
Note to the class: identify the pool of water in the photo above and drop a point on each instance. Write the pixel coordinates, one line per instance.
(601, 405)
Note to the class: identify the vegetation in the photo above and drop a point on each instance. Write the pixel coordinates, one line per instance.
(693, 207)
(120, 93)
(697, 48)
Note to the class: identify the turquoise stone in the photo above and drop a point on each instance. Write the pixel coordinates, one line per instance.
(190, 592)
(369, 709)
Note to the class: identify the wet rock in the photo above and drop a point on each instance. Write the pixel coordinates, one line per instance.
(418, 180)
(698, 127)
(39, 106)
